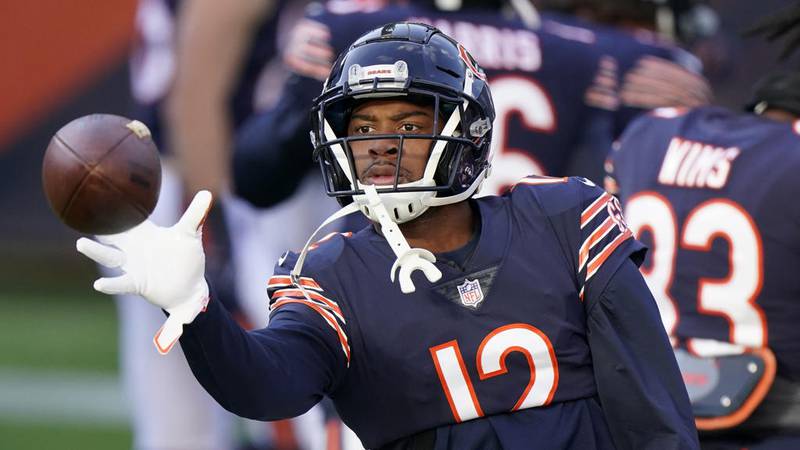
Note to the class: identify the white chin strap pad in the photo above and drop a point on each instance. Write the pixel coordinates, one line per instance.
(408, 259)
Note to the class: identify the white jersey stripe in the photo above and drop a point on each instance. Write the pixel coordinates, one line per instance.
(597, 235)
(601, 257)
(280, 281)
(545, 180)
(590, 212)
(320, 299)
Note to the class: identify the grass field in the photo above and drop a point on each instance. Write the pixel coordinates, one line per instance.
(54, 436)
(57, 339)
(58, 331)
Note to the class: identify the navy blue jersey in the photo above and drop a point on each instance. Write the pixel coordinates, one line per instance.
(546, 88)
(543, 332)
(630, 50)
(714, 191)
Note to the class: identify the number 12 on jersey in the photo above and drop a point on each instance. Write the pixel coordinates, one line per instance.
(491, 356)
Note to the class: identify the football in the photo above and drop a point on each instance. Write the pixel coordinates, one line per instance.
(102, 174)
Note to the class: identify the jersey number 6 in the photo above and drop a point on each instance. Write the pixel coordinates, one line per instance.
(492, 352)
(515, 96)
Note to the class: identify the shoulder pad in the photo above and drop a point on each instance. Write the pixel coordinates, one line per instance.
(321, 253)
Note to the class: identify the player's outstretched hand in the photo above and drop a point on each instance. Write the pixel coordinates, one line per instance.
(166, 266)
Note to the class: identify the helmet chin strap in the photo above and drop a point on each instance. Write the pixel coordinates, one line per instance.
(298, 267)
(408, 259)
(473, 188)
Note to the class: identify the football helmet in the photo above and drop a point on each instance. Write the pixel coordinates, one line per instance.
(779, 89)
(420, 63)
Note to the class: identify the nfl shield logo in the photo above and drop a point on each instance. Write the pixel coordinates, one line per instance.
(470, 293)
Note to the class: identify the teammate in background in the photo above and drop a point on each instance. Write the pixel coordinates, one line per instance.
(222, 50)
(714, 191)
(643, 36)
(652, 71)
(169, 409)
(224, 69)
(196, 76)
(532, 323)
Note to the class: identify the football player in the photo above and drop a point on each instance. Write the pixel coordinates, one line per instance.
(712, 189)
(528, 71)
(450, 322)
(643, 37)
(651, 69)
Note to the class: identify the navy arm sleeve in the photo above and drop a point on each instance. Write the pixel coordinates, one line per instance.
(272, 149)
(273, 373)
(640, 388)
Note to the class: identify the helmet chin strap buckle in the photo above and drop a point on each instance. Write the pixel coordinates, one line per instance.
(408, 259)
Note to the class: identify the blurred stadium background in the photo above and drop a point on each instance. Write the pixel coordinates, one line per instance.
(59, 384)
(58, 368)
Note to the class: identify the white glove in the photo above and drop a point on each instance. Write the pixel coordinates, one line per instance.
(166, 266)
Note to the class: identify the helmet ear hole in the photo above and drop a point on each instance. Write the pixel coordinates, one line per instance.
(444, 169)
(338, 178)
(334, 176)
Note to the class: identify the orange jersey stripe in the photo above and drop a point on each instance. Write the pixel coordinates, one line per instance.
(597, 235)
(325, 315)
(282, 280)
(319, 297)
(589, 213)
(603, 255)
